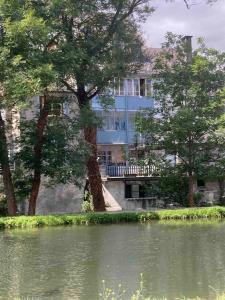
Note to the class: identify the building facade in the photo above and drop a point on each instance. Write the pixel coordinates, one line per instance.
(117, 136)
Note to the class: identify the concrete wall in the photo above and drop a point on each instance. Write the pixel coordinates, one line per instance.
(210, 193)
(58, 200)
(117, 190)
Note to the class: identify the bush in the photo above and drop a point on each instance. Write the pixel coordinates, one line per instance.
(173, 188)
(3, 206)
(87, 205)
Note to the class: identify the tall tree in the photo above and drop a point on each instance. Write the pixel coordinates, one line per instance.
(15, 85)
(24, 73)
(93, 42)
(189, 105)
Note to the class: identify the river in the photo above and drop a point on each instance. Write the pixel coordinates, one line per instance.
(176, 259)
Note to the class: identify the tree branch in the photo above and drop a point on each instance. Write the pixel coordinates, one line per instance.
(186, 2)
(69, 87)
(94, 94)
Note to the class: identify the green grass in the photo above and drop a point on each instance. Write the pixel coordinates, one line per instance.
(113, 218)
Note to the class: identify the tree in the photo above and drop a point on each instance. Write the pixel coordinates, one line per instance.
(25, 72)
(61, 152)
(188, 91)
(93, 42)
(215, 169)
(16, 84)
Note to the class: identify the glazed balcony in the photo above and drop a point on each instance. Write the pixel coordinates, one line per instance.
(127, 103)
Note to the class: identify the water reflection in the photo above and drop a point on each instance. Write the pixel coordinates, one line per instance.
(69, 263)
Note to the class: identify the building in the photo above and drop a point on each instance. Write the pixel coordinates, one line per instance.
(126, 186)
(118, 142)
(117, 136)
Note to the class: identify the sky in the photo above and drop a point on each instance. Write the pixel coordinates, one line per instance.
(201, 20)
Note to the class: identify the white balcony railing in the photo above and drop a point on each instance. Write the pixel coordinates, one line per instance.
(130, 170)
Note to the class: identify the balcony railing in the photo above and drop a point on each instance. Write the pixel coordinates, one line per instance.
(128, 171)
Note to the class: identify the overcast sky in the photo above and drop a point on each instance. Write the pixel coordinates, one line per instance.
(200, 20)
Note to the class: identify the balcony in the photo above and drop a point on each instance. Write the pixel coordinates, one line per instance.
(132, 103)
(128, 171)
(120, 137)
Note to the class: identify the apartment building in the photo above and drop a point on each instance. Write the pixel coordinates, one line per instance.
(117, 136)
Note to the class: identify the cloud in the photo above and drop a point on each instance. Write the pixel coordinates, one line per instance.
(201, 20)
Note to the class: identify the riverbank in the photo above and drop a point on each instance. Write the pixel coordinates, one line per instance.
(112, 218)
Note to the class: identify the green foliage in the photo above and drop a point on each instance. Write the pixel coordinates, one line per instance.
(87, 205)
(197, 197)
(3, 206)
(189, 213)
(47, 45)
(64, 152)
(172, 187)
(25, 71)
(24, 67)
(112, 218)
(91, 43)
(189, 93)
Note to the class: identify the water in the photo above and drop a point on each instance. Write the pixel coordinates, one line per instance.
(70, 262)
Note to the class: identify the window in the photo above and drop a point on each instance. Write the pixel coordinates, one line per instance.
(133, 87)
(131, 120)
(119, 87)
(148, 91)
(143, 190)
(200, 183)
(122, 90)
(135, 191)
(108, 121)
(131, 191)
(112, 120)
(54, 105)
(128, 193)
(142, 87)
(104, 157)
(130, 91)
(136, 87)
(120, 123)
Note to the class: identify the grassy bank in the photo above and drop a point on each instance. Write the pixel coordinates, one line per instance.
(112, 218)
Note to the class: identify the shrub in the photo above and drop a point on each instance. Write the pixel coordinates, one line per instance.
(87, 205)
(113, 218)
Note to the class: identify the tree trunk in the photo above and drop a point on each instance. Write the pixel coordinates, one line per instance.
(6, 172)
(191, 191)
(90, 133)
(94, 174)
(38, 146)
